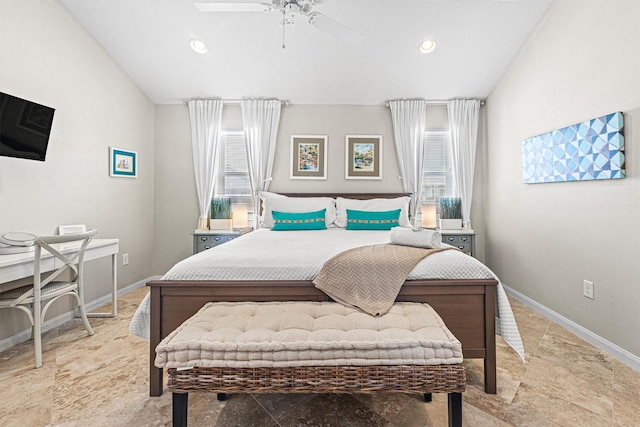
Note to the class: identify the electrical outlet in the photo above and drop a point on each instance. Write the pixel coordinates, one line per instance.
(125, 259)
(587, 289)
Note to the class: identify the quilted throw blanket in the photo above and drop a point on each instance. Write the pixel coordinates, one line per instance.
(370, 277)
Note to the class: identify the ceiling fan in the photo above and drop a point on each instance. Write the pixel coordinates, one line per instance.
(291, 10)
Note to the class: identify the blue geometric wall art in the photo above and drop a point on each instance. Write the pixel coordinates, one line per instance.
(593, 149)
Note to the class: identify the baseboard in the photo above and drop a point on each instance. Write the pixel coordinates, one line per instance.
(106, 299)
(619, 353)
(54, 322)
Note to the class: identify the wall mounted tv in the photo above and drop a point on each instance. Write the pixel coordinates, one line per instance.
(24, 128)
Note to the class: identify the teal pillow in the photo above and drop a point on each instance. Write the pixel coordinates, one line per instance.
(372, 220)
(298, 220)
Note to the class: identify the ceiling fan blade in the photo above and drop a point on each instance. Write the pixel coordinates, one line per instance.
(335, 29)
(234, 7)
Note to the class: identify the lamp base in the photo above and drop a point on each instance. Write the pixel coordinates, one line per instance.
(450, 224)
(220, 224)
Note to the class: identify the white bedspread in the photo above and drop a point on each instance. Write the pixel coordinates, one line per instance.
(299, 255)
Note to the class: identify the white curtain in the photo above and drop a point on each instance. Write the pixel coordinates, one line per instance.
(205, 118)
(463, 122)
(261, 118)
(409, 125)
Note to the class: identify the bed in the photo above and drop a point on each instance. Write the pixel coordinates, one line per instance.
(279, 266)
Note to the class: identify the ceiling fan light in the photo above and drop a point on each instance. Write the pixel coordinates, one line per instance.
(291, 11)
(427, 46)
(198, 46)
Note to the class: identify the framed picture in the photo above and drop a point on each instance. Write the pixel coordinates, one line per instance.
(308, 157)
(123, 163)
(64, 230)
(363, 159)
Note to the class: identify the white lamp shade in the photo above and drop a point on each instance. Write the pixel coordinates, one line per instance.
(429, 216)
(240, 215)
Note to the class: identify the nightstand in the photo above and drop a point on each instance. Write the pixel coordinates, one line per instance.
(465, 239)
(205, 239)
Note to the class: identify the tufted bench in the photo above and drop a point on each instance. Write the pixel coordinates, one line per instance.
(312, 347)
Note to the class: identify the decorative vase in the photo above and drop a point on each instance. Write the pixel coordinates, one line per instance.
(221, 214)
(450, 213)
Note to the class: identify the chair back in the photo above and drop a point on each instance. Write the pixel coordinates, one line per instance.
(71, 262)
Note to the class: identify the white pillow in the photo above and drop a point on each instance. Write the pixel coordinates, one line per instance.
(265, 196)
(401, 203)
(281, 203)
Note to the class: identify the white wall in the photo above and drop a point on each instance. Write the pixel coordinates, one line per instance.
(49, 58)
(581, 61)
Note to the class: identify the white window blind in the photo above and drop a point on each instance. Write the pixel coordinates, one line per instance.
(437, 174)
(233, 181)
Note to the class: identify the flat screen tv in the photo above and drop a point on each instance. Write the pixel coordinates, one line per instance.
(24, 128)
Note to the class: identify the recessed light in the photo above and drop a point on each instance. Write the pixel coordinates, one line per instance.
(198, 45)
(427, 46)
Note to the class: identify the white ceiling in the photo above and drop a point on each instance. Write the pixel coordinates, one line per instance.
(476, 41)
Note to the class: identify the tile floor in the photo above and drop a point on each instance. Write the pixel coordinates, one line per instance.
(102, 381)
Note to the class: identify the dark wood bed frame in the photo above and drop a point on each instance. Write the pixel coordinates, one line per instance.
(466, 306)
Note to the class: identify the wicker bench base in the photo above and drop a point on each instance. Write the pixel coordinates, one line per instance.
(423, 379)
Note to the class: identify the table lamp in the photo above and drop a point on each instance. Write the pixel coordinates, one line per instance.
(240, 215)
(428, 215)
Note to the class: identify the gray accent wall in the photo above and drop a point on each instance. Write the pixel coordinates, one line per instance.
(49, 58)
(176, 200)
(581, 61)
(176, 203)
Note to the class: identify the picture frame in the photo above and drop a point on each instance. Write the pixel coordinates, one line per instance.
(308, 157)
(363, 159)
(64, 230)
(123, 163)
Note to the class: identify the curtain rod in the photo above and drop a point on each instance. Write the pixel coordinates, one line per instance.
(236, 101)
(286, 103)
(436, 102)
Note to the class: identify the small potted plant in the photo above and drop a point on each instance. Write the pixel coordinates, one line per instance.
(220, 214)
(450, 213)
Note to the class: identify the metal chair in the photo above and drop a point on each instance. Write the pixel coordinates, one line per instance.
(46, 289)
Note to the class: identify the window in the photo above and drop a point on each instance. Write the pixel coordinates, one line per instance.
(233, 178)
(437, 175)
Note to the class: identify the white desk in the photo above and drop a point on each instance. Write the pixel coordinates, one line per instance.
(20, 266)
